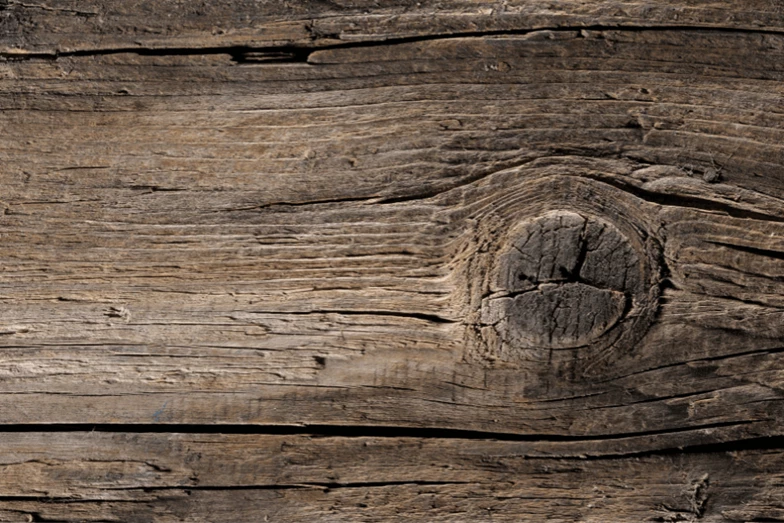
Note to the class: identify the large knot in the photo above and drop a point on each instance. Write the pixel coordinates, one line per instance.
(563, 281)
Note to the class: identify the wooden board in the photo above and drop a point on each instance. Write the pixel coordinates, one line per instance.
(95, 476)
(557, 229)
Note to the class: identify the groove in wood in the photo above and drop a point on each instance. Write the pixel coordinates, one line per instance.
(248, 216)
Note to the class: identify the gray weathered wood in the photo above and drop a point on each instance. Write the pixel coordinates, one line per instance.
(49, 26)
(558, 223)
(205, 244)
(185, 477)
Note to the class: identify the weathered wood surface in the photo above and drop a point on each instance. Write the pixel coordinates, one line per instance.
(88, 25)
(559, 223)
(189, 240)
(186, 477)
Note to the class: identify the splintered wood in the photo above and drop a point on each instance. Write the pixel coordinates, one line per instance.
(348, 262)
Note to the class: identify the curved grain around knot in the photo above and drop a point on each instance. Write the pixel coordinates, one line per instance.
(569, 291)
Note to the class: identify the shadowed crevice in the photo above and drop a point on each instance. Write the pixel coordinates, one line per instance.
(301, 53)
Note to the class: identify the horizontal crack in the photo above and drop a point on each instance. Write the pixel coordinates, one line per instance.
(304, 485)
(432, 318)
(767, 253)
(690, 202)
(756, 352)
(290, 53)
(352, 431)
(239, 54)
(304, 203)
(557, 452)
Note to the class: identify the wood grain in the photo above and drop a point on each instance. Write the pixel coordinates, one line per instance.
(560, 227)
(56, 26)
(180, 262)
(211, 477)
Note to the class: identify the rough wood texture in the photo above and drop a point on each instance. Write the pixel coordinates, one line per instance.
(208, 477)
(558, 224)
(88, 25)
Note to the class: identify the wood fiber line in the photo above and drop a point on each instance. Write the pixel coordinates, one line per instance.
(313, 243)
(207, 477)
(79, 25)
(519, 262)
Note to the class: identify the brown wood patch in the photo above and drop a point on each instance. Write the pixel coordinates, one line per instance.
(348, 262)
